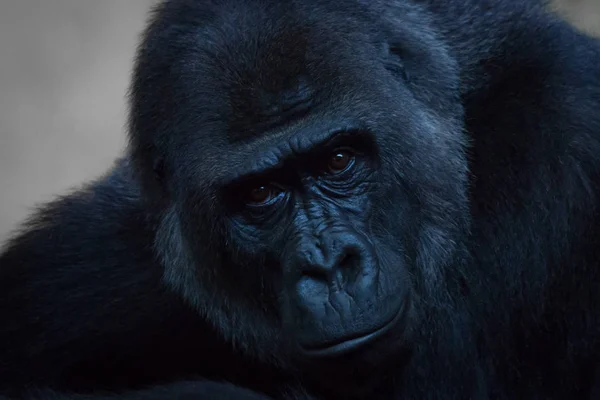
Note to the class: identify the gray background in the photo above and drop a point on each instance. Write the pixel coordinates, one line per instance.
(64, 69)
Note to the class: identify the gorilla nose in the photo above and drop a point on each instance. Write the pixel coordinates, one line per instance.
(336, 261)
(337, 264)
(335, 306)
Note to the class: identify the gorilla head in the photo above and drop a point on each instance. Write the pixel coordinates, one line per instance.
(309, 172)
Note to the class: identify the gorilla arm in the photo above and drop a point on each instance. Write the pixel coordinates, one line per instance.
(80, 311)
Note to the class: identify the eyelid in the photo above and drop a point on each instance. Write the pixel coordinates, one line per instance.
(349, 149)
(273, 200)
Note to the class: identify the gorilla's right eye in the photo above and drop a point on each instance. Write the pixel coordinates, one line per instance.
(340, 161)
(262, 195)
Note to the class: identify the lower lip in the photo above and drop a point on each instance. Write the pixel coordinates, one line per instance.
(353, 344)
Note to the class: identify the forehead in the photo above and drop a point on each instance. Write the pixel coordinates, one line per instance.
(253, 65)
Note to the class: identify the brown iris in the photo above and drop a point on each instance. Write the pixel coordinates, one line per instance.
(339, 161)
(261, 194)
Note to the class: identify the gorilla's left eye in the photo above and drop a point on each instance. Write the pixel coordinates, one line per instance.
(262, 195)
(340, 161)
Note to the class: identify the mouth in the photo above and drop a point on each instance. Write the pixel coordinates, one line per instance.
(351, 343)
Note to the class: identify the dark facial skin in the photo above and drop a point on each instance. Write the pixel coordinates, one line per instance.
(335, 296)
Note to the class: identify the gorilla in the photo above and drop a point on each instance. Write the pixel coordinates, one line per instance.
(325, 199)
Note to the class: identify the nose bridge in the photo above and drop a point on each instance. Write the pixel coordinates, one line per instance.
(324, 240)
(320, 245)
(321, 217)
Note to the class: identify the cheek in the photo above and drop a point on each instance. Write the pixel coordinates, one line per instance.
(252, 237)
(394, 212)
(393, 228)
(260, 249)
(244, 233)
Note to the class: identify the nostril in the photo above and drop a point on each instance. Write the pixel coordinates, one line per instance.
(341, 262)
(349, 260)
(315, 273)
(348, 268)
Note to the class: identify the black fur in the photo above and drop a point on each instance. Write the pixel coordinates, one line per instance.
(475, 206)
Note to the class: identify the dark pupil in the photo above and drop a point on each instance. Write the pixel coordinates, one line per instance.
(260, 194)
(339, 161)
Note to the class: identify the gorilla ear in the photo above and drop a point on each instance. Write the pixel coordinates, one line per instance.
(159, 177)
(152, 174)
(158, 167)
(395, 62)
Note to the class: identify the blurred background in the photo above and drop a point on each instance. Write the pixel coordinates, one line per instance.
(64, 71)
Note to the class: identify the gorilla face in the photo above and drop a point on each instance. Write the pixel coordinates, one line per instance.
(305, 206)
(308, 167)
